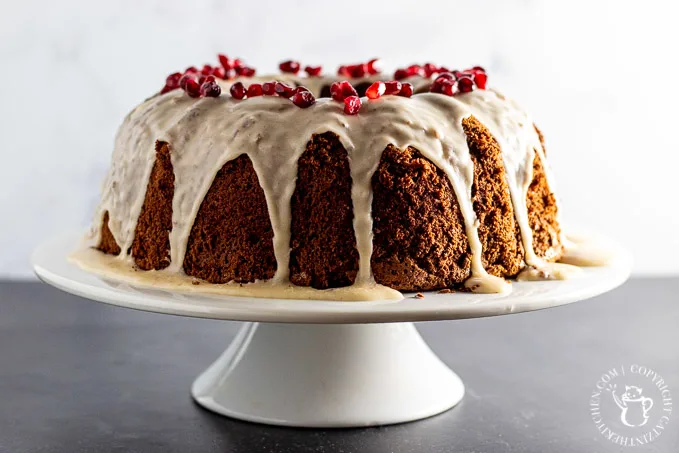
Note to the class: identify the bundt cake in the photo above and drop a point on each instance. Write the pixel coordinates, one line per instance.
(355, 184)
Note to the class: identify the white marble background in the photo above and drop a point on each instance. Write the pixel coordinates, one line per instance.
(598, 76)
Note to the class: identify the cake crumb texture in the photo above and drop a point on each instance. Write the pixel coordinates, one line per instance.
(323, 244)
(151, 244)
(232, 237)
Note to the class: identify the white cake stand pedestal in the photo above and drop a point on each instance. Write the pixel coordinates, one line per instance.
(324, 363)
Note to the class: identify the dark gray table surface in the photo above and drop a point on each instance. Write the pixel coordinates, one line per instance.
(79, 376)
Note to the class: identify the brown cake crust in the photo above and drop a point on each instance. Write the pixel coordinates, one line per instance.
(419, 240)
(151, 244)
(498, 231)
(323, 244)
(107, 242)
(542, 215)
(232, 236)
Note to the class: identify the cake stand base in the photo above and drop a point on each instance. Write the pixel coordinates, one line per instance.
(323, 375)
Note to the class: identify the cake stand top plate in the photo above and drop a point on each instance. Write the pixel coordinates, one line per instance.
(52, 266)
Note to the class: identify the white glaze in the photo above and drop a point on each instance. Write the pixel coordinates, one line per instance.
(206, 133)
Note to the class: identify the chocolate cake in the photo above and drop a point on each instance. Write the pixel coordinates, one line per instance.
(428, 181)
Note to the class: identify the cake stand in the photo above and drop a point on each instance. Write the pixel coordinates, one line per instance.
(323, 363)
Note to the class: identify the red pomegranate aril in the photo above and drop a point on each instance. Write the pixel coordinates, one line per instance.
(289, 66)
(456, 73)
(373, 66)
(313, 71)
(238, 90)
(167, 89)
(237, 63)
(210, 89)
(393, 87)
(303, 99)
(224, 61)
(352, 104)
(219, 72)
(192, 88)
(269, 88)
(207, 69)
(245, 71)
(480, 79)
(429, 69)
(284, 90)
(406, 90)
(414, 69)
(348, 89)
(343, 71)
(255, 90)
(357, 70)
(185, 78)
(448, 87)
(300, 88)
(375, 90)
(442, 69)
(201, 79)
(465, 84)
(191, 70)
(478, 68)
(172, 81)
(400, 74)
(336, 92)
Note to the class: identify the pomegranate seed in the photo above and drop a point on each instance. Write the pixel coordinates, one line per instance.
(185, 78)
(478, 68)
(447, 76)
(357, 70)
(303, 99)
(465, 84)
(336, 92)
(313, 71)
(245, 71)
(284, 90)
(255, 90)
(269, 88)
(406, 90)
(237, 63)
(289, 66)
(352, 105)
(300, 89)
(347, 89)
(191, 70)
(448, 87)
(237, 90)
(210, 89)
(172, 81)
(192, 88)
(456, 73)
(393, 87)
(414, 69)
(376, 90)
(480, 79)
(443, 69)
(219, 72)
(207, 69)
(373, 66)
(166, 89)
(201, 79)
(400, 74)
(225, 62)
(429, 69)
(343, 71)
